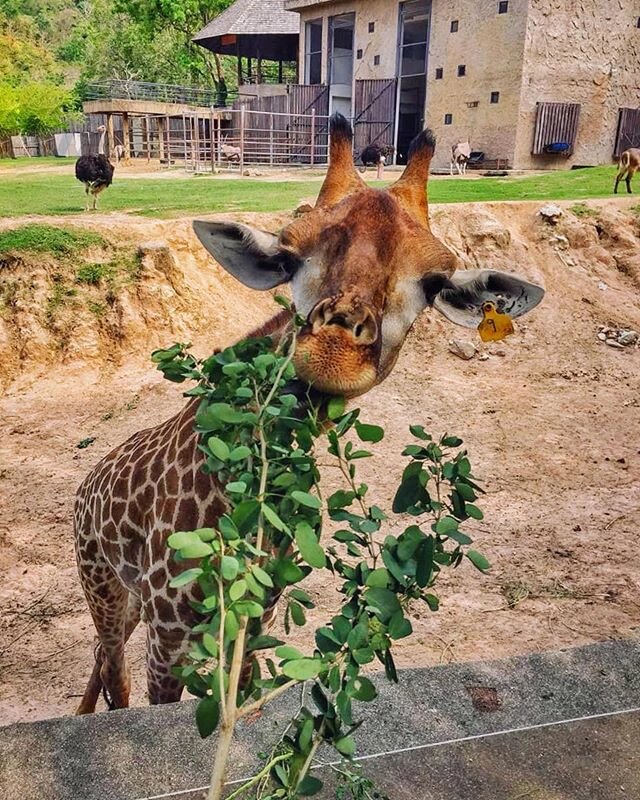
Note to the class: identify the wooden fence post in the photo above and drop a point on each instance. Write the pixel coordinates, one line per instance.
(243, 110)
(313, 135)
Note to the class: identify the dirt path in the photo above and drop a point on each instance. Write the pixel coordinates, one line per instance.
(551, 418)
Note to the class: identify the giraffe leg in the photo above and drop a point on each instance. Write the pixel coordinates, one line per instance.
(95, 685)
(164, 652)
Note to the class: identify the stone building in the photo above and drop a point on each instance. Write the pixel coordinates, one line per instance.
(532, 83)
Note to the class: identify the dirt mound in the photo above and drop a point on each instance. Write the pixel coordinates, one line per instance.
(118, 300)
(550, 417)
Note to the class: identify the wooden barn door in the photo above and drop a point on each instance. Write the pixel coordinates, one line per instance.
(304, 100)
(628, 131)
(374, 113)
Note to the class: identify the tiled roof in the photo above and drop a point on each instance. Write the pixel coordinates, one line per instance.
(266, 17)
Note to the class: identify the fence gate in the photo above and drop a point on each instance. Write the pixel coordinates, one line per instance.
(309, 104)
(628, 131)
(374, 113)
(556, 124)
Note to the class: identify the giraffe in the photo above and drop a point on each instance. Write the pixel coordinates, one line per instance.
(362, 265)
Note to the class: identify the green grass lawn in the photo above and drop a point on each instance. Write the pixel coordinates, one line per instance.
(9, 164)
(61, 194)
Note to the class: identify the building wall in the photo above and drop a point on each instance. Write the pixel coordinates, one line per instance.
(580, 51)
(491, 47)
(382, 42)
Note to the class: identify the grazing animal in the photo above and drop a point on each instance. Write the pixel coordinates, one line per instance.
(362, 264)
(375, 155)
(118, 152)
(232, 153)
(96, 172)
(627, 167)
(459, 156)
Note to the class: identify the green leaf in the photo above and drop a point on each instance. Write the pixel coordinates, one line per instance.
(237, 590)
(473, 511)
(346, 746)
(262, 576)
(306, 733)
(302, 597)
(237, 487)
(297, 614)
(302, 669)
(465, 491)
(231, 625)
(182, 539)
(450, 441)
(365, 655)
(207, 716)
(185, 577)
(336, 407)
(399, 627)
(445, 526)
(369, 433)
(219, 448)
(306, 499)
(286, 652)
(198, 549)
(478, 560)
(384, 602)
(308, 545)
(210, 644)
(273, 518)
(262, 643)
(309, 786)
(229, 568)
(424, 560)
(343, 704)
(361, 688)
(287, 572)
(419, 432)
(340, 499)
(249, 608)
(378, 578)
(239, 453)
(225, 413)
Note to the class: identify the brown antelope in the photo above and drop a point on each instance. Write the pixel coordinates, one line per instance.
(362, 265)
(627, 166)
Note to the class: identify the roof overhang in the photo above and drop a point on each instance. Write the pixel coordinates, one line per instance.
(270, 46)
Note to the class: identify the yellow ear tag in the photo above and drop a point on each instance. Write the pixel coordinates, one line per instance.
(495, 325)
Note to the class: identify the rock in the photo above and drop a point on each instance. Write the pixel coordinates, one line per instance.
(462, 349)
(550, 213)
(560, 240)
(602, 336)
(602, 286)
(614, 343)
(625, 338)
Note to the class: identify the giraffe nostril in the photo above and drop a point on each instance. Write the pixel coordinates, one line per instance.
(357, 331)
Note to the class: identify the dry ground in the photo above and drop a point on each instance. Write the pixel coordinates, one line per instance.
(551, 418)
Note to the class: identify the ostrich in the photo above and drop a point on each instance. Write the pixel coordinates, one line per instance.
(375, 155)
(96, 172)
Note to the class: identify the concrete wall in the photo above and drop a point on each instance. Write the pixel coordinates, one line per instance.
(382, 42)
(491, 46)
(580, 51)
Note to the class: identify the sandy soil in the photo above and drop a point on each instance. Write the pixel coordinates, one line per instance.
(551, 418)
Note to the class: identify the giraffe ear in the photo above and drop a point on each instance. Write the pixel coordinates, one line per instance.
(252, 256)
(461, 298)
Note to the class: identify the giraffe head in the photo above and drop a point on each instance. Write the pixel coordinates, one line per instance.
(362, 265)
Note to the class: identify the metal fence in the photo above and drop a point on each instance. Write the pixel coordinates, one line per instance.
(158, 92)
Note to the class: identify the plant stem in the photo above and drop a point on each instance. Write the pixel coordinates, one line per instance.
(307, 764)
(264, 771)
(244, 711)
(228, 725)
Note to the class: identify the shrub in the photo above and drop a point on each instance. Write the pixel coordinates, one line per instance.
(260, 440)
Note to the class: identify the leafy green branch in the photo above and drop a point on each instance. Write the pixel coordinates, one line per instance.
(259, 439)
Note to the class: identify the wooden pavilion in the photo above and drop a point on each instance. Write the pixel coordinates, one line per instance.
(254, 30)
